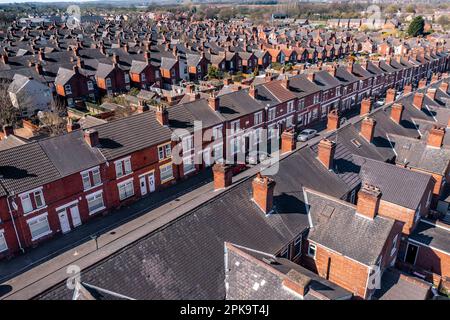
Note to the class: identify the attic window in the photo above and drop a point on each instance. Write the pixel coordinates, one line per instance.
(356, 143)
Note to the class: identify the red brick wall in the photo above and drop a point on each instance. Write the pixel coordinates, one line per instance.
(433, 260)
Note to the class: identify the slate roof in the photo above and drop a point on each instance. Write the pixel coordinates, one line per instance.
(126, 135)
(26, 167)
(398, 185)
(247, 273)
(431, 235)
(337, 227)
(184, 260)
(415, 153)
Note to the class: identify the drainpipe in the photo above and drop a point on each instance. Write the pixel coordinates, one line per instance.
(14, 223)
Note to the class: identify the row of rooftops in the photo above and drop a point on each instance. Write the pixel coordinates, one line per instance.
(234, 217)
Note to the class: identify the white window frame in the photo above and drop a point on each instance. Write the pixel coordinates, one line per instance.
(272, 113)
(290, 106)
(143, 78)
(188, 161)
(32, 220)
(258, 118)
(314, 247)
(216, 148)
(235, 126)
(91, 173)
(3, 241)
(161, 171)
(217, 132)
(108, 83)
(301, 104)
(125, 184)
(90, 85)
(125, 167)
(92, 196)
(187, 143)
(164, 151)
(127, 78)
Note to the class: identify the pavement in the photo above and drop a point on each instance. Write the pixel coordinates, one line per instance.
(27, 275)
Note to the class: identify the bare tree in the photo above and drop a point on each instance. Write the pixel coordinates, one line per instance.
(8, 113)
(54, 122)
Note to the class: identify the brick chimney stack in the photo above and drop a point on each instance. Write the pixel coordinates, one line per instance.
(390, 96)
(253, 92)
(444, 87)
(368, 201)
(311, 76)
(71, 126)
(263, 188)
(91, 137)
(162, 115)
(285, 82)
(350, 67)
(213, 102)
(431, 93)
(38, 68)
(368, 128)
(418, 100)
(396, 112)
(333, 120)
(287, 142)
(436, 136)
(7, 130)
(325, 153)
(366, 106)
(223, 175)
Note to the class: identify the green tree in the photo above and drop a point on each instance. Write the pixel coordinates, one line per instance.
(416, 27)
(410, 8)
(213, 72)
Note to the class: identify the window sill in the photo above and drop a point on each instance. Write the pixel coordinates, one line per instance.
(34, 211)
(42, 235)
(187, 172)
(97, 210)
(167, 180)
(93, 187)
(125, 175)
(128, 197)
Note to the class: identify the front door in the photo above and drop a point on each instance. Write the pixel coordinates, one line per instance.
(411, 253)
(75, 214)
(64, 221)
(151, 182)
(143, 185)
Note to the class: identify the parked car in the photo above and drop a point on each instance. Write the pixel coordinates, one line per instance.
(306, 134)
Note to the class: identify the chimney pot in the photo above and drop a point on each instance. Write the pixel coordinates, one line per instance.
(326, 150)
(311, 76)
(263, 188)
(368, 200)
(285, 82)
